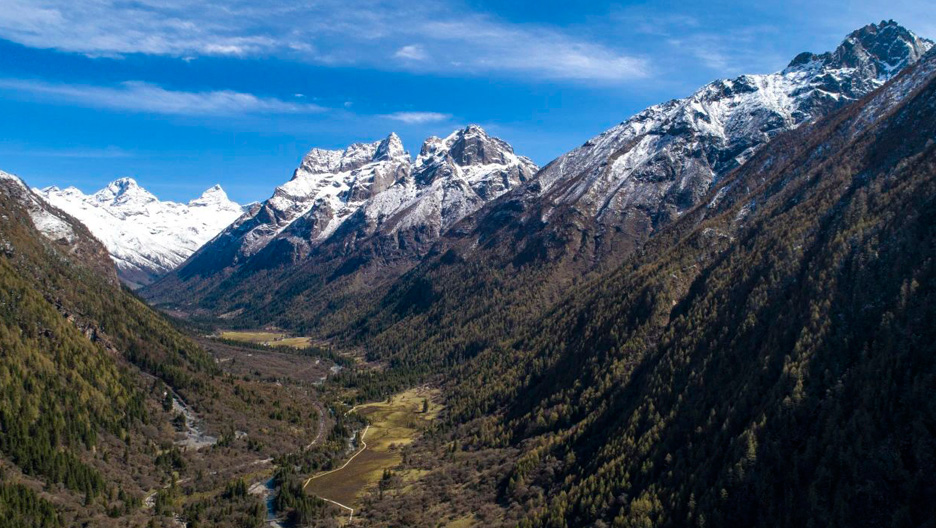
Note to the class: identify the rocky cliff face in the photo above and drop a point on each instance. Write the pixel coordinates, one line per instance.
(327, 188)
(451, 178)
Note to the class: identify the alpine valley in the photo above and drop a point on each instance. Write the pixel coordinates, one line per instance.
(719, 312)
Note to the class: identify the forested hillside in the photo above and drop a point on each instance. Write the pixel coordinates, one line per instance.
(67, 332)
(111, 416)
(768, 360)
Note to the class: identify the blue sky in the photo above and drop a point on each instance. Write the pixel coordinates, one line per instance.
(182, 95)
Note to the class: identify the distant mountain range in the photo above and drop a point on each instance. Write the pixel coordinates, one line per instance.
(145, 236)
(366, 214)
(371, 188)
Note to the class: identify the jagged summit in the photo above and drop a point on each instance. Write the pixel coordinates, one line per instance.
(146, 237)
(213, 195)
(325, 161)
(888, 43)
(470, 154)
(390, 148)
(124, 192)
(369, 193)
(122, 186)
(877, 49)
(468, 146)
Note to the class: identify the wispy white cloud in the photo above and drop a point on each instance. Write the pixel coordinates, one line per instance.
(434, 36)
(723, 48)
(112, 28)
(417, 118)
(411, 52)
(443, 36)
(730, 52)
(478, 44)
(143, 97)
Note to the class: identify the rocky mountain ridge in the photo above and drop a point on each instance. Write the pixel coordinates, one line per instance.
(588, 209)
(369, 204)
(651, 168)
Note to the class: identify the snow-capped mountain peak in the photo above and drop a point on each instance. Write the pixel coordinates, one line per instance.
(655, 165)
(487, 164)
(323, 161)
(124, 192)
(877, 50)
(470, 146)
(320, 161)
(146, 237)
(473, 146)
(214, 195)
(390, 148)
(382, 188)
(326, 188)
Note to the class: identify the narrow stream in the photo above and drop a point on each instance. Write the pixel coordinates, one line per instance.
(267, 491)
(270, 499)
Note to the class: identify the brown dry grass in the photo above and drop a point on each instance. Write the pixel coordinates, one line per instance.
(393, 425)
